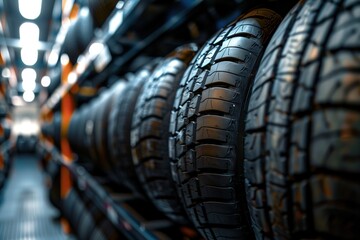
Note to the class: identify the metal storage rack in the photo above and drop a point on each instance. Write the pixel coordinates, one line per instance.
(120, 207)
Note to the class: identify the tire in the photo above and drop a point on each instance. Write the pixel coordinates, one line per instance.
(150, 132)
(86, 222)
(100, 10)
(69, 45)
(69, 204)
(71, 132)
(87, 116)
(56, 125)
(53, 173)
(206, 126)
(302, 141)
(120, 119)
(2, 179)
(3, 168)
(84, 26)
(104, 105)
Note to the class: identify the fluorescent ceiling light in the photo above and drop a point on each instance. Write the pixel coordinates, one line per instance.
(45, 81)
(29, 55)
(95, 49)
(64, 59)
(53, 58)
(29, 34)
(28, 96)
(115, 22)
(6, 73)
(28, 74)
(72, 78)
(30, 9)
(17, 101)
(84, 12)
(28, 85)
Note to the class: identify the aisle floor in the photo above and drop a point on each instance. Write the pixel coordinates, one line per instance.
(25, 211)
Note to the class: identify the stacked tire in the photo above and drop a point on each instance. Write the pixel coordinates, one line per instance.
(301, 135)
(206, 126)
(275, 157)
(6, 152)
(52, 129)
(87, 128)
(256, 137)
(150, 132)
(6, 155)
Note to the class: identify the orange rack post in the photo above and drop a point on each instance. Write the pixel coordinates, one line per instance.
(67, 108)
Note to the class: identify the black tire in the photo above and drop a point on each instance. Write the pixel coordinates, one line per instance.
(7, 129)
(104, 105)
(69, 45)
(87, 126)
(53, 173)
(120, 119)
(2, 169)
(71, 132)
(85, 29)
(150, 132)
(56, 125)
(2, 179)
(302, 130)
(206, 126)
(86, 223)
(101, 9)
(69, 204)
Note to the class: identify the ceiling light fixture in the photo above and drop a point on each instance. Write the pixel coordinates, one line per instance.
(30, 9)
(29, 34)
(28, 96)
(45, 81)
(28, 74)
(29, 56)
(72, 78)
(17, 101)
(53, 58)
(6, 73)
(64, 59)
(28, 85)
(95, 49)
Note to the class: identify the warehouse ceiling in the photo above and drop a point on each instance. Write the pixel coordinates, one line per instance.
(27, 34)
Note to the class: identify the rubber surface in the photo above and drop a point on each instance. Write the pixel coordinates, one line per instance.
(302, 130)
(150, 132)
(100, 10)
(88, 134)
(53, 173)
(104, 105)
(119, 128)
(206, 126)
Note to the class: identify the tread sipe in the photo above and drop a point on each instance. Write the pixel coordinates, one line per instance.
(206, 126)
(302, 144)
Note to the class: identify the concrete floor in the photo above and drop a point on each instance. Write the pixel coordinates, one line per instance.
(25, 211)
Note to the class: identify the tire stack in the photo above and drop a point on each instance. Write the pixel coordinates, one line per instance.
(79, 35)
(52, 129)
(265, 147)
(100, 10)
(88, 135)
(257, 137)
(205, 131)
(6, 152)
(301, 151)
(6, 156)
(86, 219)
(149, 132)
